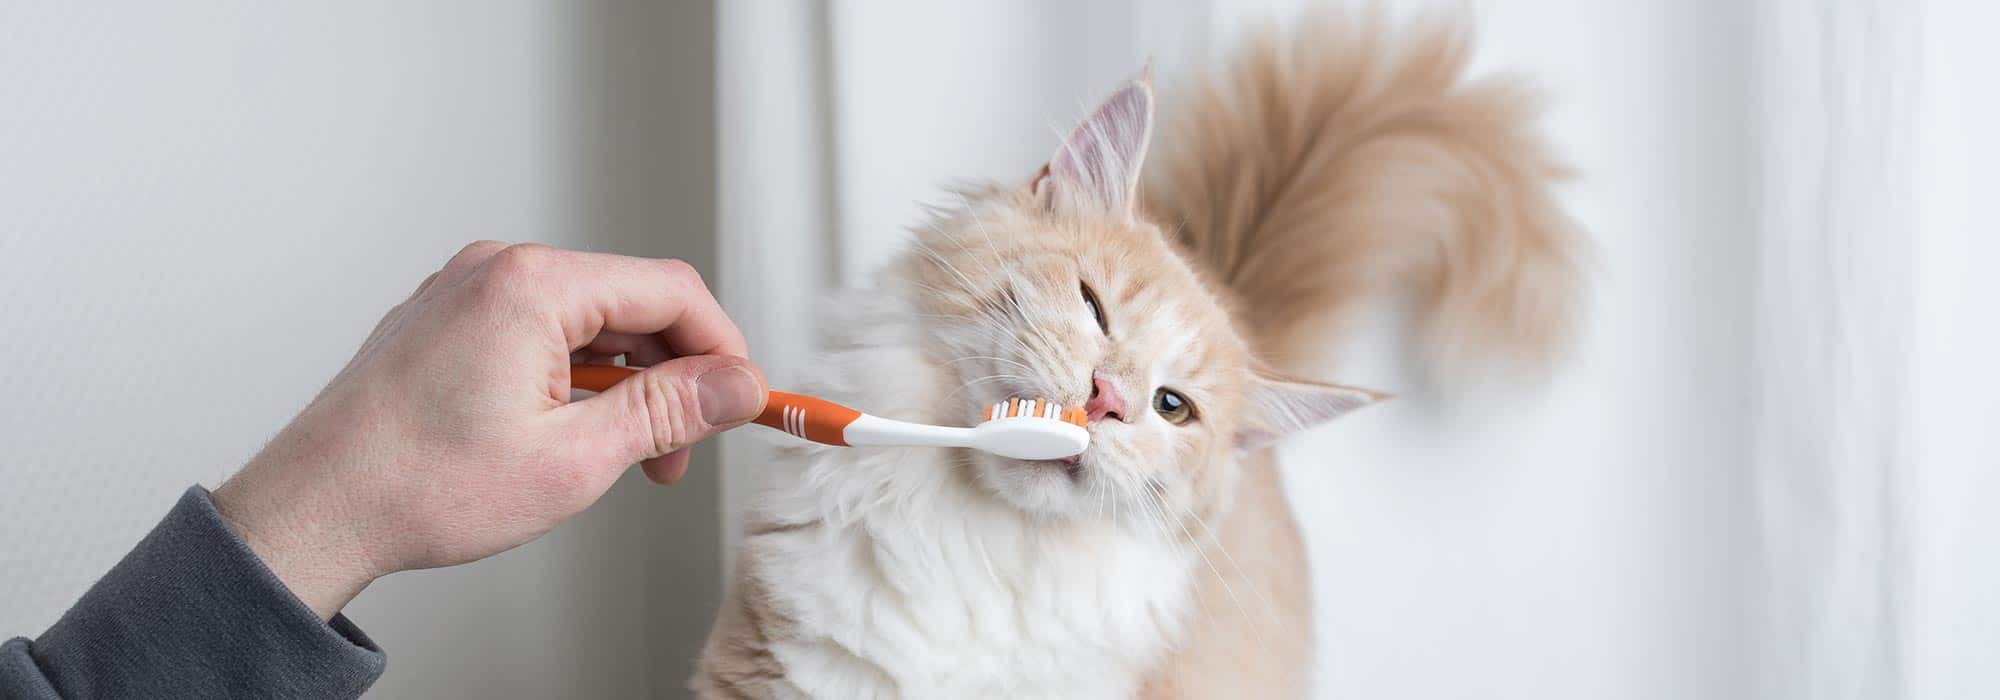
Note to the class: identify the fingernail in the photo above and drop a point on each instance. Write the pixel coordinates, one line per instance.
(728, 395)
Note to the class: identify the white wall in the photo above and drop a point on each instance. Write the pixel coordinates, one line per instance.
(205, 206)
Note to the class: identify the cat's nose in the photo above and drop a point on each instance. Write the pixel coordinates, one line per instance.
(1104, 400)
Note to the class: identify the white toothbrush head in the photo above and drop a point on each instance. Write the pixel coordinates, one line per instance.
(1032, 429)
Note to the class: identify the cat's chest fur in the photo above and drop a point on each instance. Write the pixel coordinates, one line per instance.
(954, 598)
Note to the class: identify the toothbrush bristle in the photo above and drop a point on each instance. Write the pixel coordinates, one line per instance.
(1036, 408)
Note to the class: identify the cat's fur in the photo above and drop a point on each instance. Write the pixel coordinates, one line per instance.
(1323, 168)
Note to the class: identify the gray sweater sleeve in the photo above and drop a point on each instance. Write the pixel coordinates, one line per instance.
(191, 612)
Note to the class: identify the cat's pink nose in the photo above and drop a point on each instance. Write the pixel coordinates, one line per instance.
(1104, 400)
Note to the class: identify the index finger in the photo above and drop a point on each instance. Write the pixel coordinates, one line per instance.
(601, 292)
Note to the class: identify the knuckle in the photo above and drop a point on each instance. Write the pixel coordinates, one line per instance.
(423, 288)
(512, 269)
(522, 259)
(475, 248)
(471, 255)
(683, 271)
(665, 405)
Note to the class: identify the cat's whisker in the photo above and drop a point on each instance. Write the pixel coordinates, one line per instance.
(1020, 312)
(971, 358)
(981, 380)
(1028, 353)
(992, 334)
(1161, 523)
(1270, 608)
(970, 287)
(995, 335)
(992, 377)
(986, 558)
(981, 309)
(983, 231)
(940, 259)
(1097, 487)
(1224, 580)
(1158, 520)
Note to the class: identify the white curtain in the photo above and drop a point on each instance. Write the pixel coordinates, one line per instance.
(1764, 473)
(1873, 363)
(1831, 115)
(1947, 451)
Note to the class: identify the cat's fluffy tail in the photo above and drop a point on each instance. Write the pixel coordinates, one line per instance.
(1338, 163)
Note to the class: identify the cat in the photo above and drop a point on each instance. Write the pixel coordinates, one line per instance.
(1326, 167)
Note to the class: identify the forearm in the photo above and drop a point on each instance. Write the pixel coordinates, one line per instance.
(191, 612)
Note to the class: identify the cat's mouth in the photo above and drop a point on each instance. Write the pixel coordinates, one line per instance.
(1071, 466)
(1061, 487)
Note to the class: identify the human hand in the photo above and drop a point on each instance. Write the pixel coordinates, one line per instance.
(450, 436)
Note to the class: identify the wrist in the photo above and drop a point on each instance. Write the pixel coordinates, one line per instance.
(299, 540)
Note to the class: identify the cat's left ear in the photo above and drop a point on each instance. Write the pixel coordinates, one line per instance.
(1278, 407)
(1097, 168)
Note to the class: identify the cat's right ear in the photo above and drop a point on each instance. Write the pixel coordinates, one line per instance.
(1096, 170)
(1280, 406)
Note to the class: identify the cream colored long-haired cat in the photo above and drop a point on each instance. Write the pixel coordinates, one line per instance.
(1321, 169)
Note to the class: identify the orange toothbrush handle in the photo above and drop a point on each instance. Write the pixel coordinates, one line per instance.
(598, 377)
(814, 419)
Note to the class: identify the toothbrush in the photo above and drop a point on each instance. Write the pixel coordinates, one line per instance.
(1016, 428)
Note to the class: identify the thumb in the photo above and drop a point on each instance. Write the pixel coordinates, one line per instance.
(663, 409)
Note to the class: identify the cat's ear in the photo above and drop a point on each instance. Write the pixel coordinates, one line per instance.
(1097, 168)
(1278, 407)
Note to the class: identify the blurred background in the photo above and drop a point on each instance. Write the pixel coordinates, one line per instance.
(1763, 474)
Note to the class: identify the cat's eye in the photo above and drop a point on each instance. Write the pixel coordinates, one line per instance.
(1172, 406)
(1096, 309)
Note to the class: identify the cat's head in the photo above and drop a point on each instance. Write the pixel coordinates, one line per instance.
(1059, 287)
